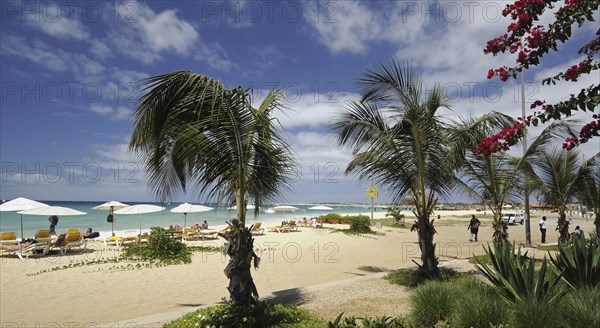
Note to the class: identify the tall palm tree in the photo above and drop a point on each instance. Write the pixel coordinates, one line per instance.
(192, 131)
(497, 179)
(556, 176)
(589, 192)
(400, 141)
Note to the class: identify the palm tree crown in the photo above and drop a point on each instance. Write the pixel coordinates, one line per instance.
(191, 130)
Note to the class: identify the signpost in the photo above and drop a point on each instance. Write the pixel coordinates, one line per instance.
(372, 193)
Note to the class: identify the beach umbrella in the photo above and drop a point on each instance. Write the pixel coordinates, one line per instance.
(186, 208)
(284, 208)
(321, 208)
(248, 207)
(20, 204)
(139, 209)
(111, 206)
(52, 210)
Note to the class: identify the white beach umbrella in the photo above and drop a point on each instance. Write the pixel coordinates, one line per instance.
(284, 208)
(52, 210)
(111, 206)
(321, 208)
(20, 204)
(248, 207)
(186, 208)
(140, 209)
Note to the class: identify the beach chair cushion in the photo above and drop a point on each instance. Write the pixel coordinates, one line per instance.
(42, 234)
(9, 235)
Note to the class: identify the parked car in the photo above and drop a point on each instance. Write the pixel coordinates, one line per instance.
(513, 218)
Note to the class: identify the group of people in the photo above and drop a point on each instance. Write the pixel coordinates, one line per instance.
(474, 229)
(195, 227)
(543, 227)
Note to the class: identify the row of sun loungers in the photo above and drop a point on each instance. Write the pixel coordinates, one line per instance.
(44, 243)
(288, 227)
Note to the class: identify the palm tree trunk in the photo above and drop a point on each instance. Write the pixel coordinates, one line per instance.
(429, 261)
(240, 248)
(563, 228)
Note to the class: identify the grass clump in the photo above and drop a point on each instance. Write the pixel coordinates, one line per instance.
(263, 314)
(580, 308)
(413, 278)
(479, 305)
(548, 248)
(431, 303)
(161, 248)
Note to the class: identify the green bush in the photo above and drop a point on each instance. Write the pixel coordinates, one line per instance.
(431, 303)
(515, 277)
(580, 308)
(532, 313)
(330, 216)
(161, 248)
(263, 314)
(366, 322)
(579, 262)
(361, 224)
(413, 278)
(479, 305)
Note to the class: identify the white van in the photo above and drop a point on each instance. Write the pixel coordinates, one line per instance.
(513, 218)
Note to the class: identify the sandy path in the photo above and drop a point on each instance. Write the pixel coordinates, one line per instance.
(103, 293)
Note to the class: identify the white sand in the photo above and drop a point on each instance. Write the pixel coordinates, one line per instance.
(102, 293)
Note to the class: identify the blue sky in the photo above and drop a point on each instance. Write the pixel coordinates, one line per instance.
(70, 73)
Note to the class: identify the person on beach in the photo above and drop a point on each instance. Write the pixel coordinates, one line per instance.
(578, 232)
(89, 234)
(204, 225)
(543, 229)
(53, 222)
(474, 227)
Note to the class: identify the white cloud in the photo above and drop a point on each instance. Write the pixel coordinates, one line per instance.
(119, 113)
(100, 50)
(57, 21)
(144, 34)
(214, 56)
(101, 109)
(37, 52)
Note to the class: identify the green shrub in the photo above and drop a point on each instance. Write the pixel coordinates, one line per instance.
(579, 262)
(366, 322)
(580, 308)
(361, 224)
(515, 277)
(330, 216)
(413, 278)
(263, 314)
(431, 302)
(531, 313)
(161, 248)
(480, 305)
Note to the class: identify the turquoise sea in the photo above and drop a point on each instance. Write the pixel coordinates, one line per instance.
(130, 224)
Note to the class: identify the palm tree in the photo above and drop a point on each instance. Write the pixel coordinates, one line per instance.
(400, 142)
(497, 179)
(557, 176)
(192, 131)
(396, 213)
(590, 188)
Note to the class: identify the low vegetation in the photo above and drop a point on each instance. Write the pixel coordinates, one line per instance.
(161, 248)
(263, 314)
(413, 278)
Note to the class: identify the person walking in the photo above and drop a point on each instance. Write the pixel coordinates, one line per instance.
(474, 227)
(543, 229)
(53, 222)
(578, 232)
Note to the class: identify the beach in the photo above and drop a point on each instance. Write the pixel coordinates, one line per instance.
(291, 264)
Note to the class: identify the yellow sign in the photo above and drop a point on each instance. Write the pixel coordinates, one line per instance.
(372, 192)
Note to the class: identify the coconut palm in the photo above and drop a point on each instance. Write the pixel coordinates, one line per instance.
(557, 177)
(400, 141)
(590, 188)
(192, 131)
(395, 212)
(497, 179)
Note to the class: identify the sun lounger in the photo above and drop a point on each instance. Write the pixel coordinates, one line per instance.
(120, 240)
(282, 228)
(143, 238)
(8, 238)
(42, 236)
(19, 250)
(256, 229)
(72, 240)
